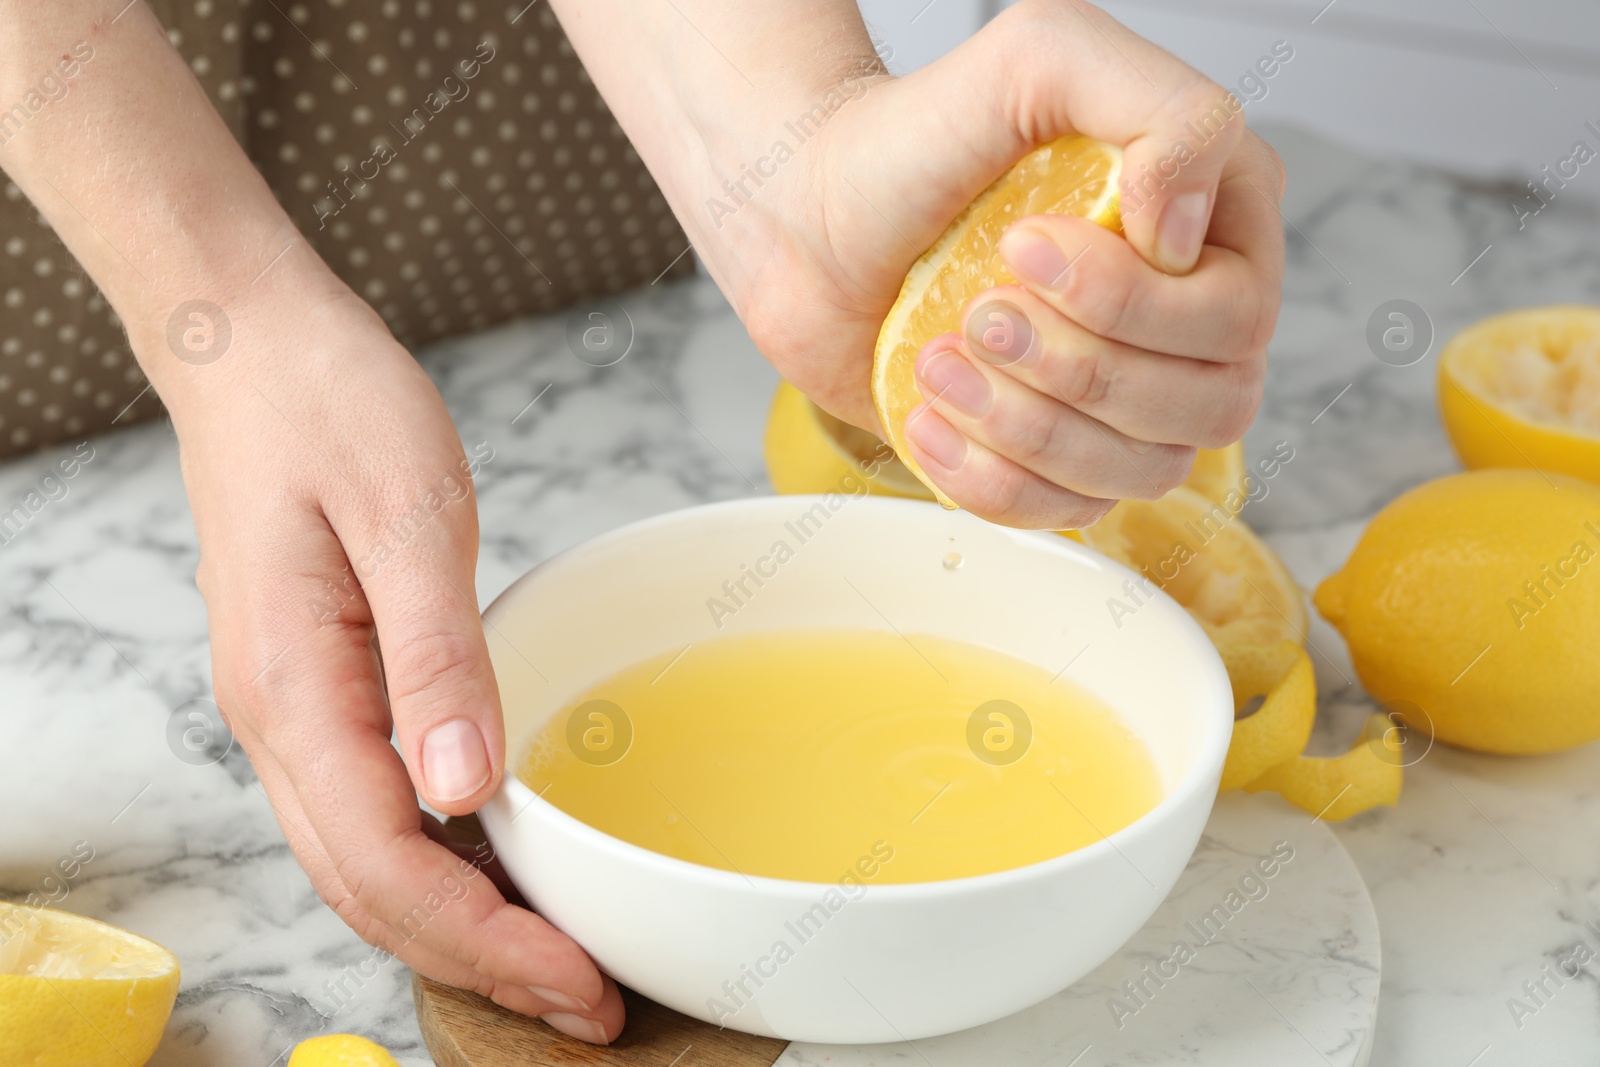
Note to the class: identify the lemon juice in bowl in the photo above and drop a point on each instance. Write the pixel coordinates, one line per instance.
(864, 740)
(800, 754)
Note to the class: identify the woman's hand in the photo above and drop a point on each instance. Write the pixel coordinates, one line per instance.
(336, 515)
(1144, 348)
(333, 502)
(1149, 346)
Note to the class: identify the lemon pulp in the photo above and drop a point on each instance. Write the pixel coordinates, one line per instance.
(79, 993)
(1522, 389)
(813, 755)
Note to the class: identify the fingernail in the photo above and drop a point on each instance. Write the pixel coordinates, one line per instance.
(559, 999)
(937, 438)
(1182, 231)
(1033, 256)
(455, 762)
(948, 376)
(577, 1026)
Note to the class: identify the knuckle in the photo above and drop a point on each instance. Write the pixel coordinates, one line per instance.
(1261, 318)
(1097, 300)
(1032, 435)
(352, 914)
(246, 693)
(1207, 105)
(359, 896)
(1084, 379)
(1231, 418)
(363, 875)
(997, 497)
(1026, 18)
(1278, 174)
(436, 664)
(769, 328)
(1177, 460)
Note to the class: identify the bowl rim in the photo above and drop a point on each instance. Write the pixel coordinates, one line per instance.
(1205, 765)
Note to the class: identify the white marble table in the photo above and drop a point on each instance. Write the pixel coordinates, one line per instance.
(1486, 873)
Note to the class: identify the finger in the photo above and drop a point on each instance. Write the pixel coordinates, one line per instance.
(602, 1024)
(417, 573)
(318, 708)
(476, 852)
(1224, 310)
(358, 800)
(1058, 443)
(1248, 218)
(991, 486)
(1144, 395)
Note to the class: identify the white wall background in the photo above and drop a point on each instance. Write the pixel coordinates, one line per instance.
(1494, 88)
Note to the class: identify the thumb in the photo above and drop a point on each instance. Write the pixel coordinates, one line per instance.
(441, 685)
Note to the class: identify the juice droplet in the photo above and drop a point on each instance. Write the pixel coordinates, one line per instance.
(952, 562)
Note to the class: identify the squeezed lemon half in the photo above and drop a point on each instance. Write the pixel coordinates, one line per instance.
(809, 451)
(1073, 175)
(75, 992)
(1208, 560)
(1523, 390)
(1204, 556)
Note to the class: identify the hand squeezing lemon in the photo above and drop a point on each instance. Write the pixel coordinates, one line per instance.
(1467, 602)
(1232, 583)
(1069, 176)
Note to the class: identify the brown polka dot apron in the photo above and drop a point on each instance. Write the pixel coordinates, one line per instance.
(451, 161)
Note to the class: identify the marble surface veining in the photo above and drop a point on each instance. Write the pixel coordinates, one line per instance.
(1484, 877)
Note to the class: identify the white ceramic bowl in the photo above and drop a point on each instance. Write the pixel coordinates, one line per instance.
(896, 962)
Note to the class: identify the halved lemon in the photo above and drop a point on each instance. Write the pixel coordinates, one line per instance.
(1523, 390)
(1208, 560)
(1070, 176)
(809, 451)
(79, 993)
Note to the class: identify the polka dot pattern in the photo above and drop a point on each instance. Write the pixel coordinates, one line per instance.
(454, 168)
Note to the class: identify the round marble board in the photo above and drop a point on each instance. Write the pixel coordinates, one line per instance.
(1235, 969)
(1266, 953)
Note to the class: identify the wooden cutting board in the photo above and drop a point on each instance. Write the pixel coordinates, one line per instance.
(465, 1030)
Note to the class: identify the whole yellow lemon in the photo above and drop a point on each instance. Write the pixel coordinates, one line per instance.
(340, 1050)
(1471, 606)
